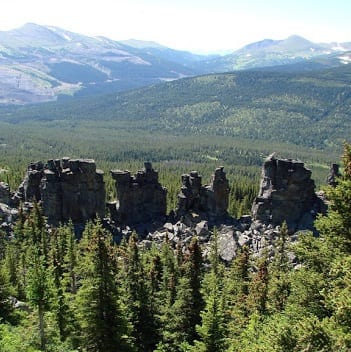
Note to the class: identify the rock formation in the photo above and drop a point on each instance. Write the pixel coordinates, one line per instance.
(334, 173)
(140, 198)
(29, 189)
(211, 201)
(68, 189)
(287, 192)
(4, 193)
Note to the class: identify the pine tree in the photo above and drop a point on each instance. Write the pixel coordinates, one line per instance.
(167, 294)
(6, 308)
(137, 298)
(193, 270)
(279, 269)
(70, 258)
(62, 312)
(213, 331)
(336, 225)
(335, 233)
(258, 290)
(184, 315)
(236, 291)
(39, 289)
(155, 283)
(100, 315)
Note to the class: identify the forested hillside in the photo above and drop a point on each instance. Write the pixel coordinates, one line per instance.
(310, 109)
(234, 120)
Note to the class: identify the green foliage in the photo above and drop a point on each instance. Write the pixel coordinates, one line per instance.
(5, 292)
(212, 330)
(99, 313)
(280, 285)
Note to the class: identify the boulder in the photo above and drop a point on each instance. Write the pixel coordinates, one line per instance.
(201, 228)
(227, 246)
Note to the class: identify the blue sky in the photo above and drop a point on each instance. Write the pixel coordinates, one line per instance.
(195, 25)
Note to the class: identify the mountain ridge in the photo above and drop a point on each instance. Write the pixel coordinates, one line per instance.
(41, 63)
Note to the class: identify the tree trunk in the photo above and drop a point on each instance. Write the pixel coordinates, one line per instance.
(41, 328)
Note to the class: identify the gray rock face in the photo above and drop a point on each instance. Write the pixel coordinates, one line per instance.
(334, 173)
(286, 192)
(141, 198)
(211, 200)
(69, 189)
(4, 193)
(29, 189)
(7, 214)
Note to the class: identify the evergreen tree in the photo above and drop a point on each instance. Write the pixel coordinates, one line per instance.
(6, 308)
(12, 263)
(39, 289)
(70, 258)
(62, 312)
(137, 298)
(336, 225)
(193, 270)
(236, 292)
(279, 270)
(258, 290)
(184, 315)
(213, 331)
(167, 294)
(100, 315)
(155, 283)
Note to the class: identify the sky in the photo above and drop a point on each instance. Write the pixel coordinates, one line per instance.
(203, 26)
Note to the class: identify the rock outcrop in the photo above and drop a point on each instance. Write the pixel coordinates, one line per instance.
(72, 189)
(4, 193)
(140, 198)
(29, 189)
(287, 193)
(68, 189)
(209, 201)
(334, 173)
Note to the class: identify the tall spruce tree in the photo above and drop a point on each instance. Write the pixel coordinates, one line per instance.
(236, 291)
(167, 294)
(6, 307)
(39, 288)
(103, 326)
(279, 273)
(137, 298)
(213, 330)
(184, 314)
(335, 231)
(335, 227)
(258, 291)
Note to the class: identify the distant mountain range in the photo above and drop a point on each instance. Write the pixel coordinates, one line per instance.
(294, 51)
(42, 63)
